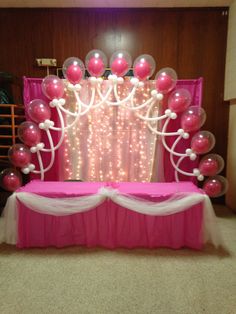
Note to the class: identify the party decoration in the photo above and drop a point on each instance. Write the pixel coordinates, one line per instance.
(19, 155)
(29, 133)
(202, 142)
(144, 67)
(96, 62)
(166, 80)
(39, 111)
(73, 70)
(211, 164)
(52, 87)
(120, 62)
(144, 101)
(179, 100)
(192, 119)
(10, 179)
(215, 186)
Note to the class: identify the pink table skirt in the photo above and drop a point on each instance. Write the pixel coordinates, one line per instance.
(110, 225)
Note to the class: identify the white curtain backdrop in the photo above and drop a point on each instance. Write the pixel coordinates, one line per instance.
(67, 206)
(110, 143)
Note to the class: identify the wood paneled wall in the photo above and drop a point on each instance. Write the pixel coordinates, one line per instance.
(192, 41)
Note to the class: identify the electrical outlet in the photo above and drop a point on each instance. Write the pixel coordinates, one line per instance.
(46, 62)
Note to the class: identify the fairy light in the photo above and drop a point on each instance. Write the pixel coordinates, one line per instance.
(96, 148)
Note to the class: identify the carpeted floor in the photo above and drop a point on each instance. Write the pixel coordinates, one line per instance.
(79, 280)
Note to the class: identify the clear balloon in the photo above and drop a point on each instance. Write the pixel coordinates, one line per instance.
(166, 80)
(19, 155)
(211, 165)
(144, 67)
(202, 142)
(215, 186)
(10, 179)
(193, 118)
(96, 62)
(120, 62)
(52, 87)
(73, 70)
(29, 133)
(179, 100)
(39, 111)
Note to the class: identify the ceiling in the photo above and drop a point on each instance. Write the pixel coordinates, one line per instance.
(112, 3)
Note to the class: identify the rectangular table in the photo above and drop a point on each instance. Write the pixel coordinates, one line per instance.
(110, 225)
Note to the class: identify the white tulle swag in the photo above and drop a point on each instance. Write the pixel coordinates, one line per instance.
(68, 206)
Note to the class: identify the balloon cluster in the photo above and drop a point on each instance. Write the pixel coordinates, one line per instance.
(20, 154)
(96, 63)
(192, 119)
(178, 101)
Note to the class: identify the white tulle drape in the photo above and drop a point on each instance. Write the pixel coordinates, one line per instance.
(110, 143)
(67, 206)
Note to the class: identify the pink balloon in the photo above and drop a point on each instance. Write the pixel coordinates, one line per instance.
(29, 133)
(10, 179)
(202, 142)
(144, 66)
(39, 111)
(166, 80)
(209, 167)
(192, 119)
(212, 188)
(179, 100)
(74, 73)
(119, 66)
(96, 62)
(211, 164)
(200, 145)
(96, 66)
(190, 123)
(142, 70)
(19, 155)
(52, 87)
(215, 186)
(120, 62)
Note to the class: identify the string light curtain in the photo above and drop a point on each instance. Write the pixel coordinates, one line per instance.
(109, 143)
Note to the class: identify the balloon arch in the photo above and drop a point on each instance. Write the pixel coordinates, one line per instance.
(179, 100)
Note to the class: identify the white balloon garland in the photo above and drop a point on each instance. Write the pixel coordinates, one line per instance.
(155, 99)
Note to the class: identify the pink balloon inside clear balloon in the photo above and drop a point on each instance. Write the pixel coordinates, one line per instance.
(52, 87)
(96, 62)
(119, 66)
(212, 188)
(165, 80)
(74, 73)
(29, 133)
(39, 111)
(202, 142)
(10, 179)
(96, 66)
(120, 62)
(209, 167)
(142, 70)
(215, 186)
(192, 119)
(179, 100)
(19, 155)
(73, 70)
(211, 164)
(190, 123)
(144, 67)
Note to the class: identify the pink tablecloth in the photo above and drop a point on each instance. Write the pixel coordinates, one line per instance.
(110, 225)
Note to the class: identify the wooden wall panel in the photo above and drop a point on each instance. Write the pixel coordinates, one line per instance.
(192, 41)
